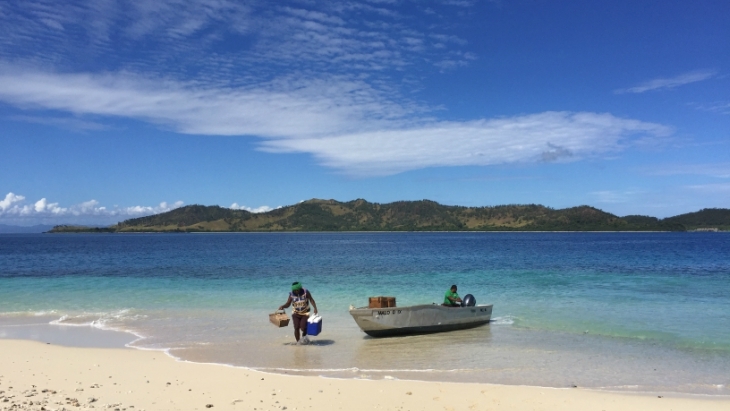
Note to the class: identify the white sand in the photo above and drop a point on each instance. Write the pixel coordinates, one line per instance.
(56, 378)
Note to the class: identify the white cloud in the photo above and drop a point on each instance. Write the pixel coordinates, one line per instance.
(276, 109)
(43, 206)
(670, 83)
(262, 209)
(137, 211)
(550, 136)
(345, 124)
(9, 200)
(13, 210)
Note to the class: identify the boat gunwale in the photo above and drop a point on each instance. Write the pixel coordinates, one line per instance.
(432, 305)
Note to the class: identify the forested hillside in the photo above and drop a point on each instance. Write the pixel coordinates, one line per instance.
(425, 215)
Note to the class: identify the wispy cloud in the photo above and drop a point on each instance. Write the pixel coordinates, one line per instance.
(669, 83)
(716, 170)
(15, 209)
(183, 38)
(715, 188)
(459, 3)
(280, 108)
(614, 196)
(324, 78)
(719, 107)
(472, 178)
(68, 123)
(661, 202)
(346, 125)
(549, 136)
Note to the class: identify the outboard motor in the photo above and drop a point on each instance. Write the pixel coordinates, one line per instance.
(468, 301)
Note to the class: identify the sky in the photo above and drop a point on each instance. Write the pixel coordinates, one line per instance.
(114, 109)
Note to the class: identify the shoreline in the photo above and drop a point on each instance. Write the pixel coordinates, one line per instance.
(375, 232)
(145, 379)
(98, 336)
(88, 336)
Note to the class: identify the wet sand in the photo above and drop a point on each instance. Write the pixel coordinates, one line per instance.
(39, 376)
(70, 336)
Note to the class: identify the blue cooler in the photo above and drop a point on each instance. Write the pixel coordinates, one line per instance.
(314, 324)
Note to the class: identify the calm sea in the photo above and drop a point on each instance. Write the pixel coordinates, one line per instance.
(626, 311)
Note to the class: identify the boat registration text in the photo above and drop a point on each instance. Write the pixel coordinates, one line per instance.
(387, 312)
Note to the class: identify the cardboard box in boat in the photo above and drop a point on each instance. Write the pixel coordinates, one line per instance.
(381, 302)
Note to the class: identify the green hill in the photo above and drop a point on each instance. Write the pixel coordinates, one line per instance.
(706, 218)
(424, 215)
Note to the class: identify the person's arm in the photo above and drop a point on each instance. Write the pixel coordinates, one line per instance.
(311, 300)
(286, 305)
(454, 299)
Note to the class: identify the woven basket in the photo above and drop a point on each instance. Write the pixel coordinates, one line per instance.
(279, 319)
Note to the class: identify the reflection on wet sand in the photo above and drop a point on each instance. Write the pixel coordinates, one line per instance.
(82, 336)
(441, 350)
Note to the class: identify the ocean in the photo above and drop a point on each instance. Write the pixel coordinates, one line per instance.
(646, 312)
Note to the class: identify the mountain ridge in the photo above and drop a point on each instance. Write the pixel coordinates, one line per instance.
(422, 215)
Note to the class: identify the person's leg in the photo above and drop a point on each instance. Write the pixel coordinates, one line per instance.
(297, 323)
(304, 325)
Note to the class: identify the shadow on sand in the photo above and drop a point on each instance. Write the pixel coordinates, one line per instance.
(317, 343)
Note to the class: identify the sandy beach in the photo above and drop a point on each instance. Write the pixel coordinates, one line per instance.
(39, 376)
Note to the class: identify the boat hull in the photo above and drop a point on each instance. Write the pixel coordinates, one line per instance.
(419, 319)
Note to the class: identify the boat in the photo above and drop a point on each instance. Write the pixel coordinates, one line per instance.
(419, 319)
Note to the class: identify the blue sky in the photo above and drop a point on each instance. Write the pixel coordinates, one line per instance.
(113, 109)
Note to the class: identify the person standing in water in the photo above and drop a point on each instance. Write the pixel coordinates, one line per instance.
(299, 299)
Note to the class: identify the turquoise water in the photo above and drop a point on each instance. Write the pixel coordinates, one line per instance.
(633, 311)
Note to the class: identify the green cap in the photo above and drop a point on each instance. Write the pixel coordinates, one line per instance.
(296, 286)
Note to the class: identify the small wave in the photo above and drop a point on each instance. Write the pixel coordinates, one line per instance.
(98, 319)
(506, 320)
(358, 370)
(44, 313)
(628, 386)
(41, 313)
(78, 321)
(102, 321)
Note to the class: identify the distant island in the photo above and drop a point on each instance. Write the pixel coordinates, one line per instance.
(20, 229)
(360, 215)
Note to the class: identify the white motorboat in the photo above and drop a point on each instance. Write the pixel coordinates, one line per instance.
(419, 319)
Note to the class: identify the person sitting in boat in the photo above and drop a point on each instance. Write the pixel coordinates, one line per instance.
(452, 299)
(299, 299)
